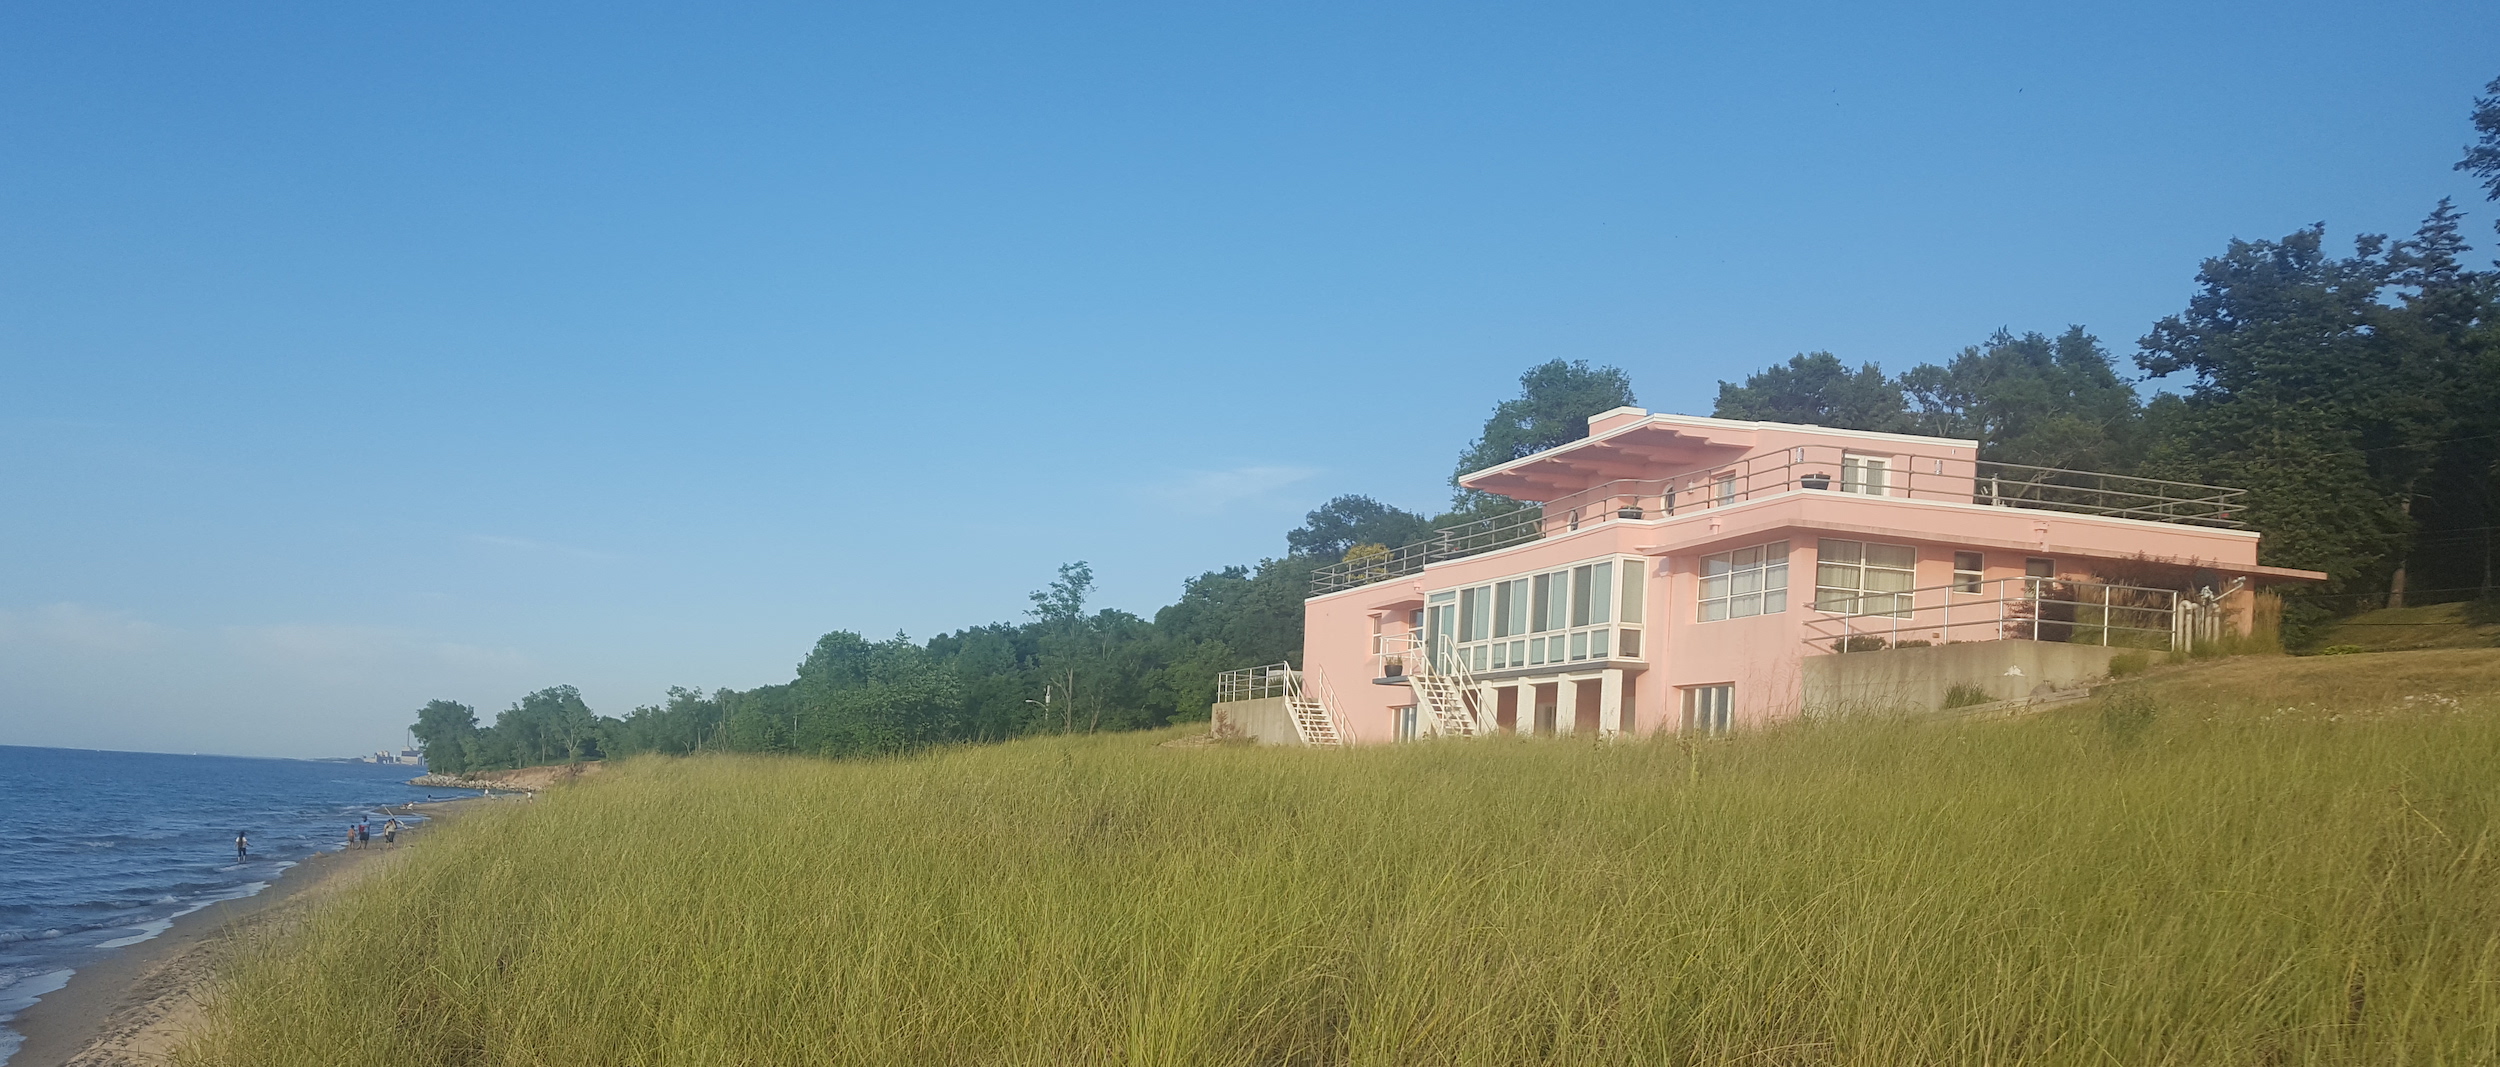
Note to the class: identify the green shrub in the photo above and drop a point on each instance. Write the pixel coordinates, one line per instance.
(1963, 695)
(2126, 663)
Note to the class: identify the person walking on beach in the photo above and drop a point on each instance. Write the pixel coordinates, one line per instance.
(242, 847)
(364, 835)
(351, 835)
(390, 832)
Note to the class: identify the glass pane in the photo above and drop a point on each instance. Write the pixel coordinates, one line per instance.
(1775, 576)
(1966, 561)
(1602, 592)
(1748, 558)
(1580, 646)
(1501, 610)
(1470, 614)
(1480, 664)
(1536, 651)
(1887, 581)
(1442, 598)
(1831, 551)
(1775, 600)
(1628, 643)
(1519, 607)
(1902, 556)
(1632, 576)
(1518, 652)
(1841, 601)
(1743, 606)
(1775, 553)
(1501, 655)
(1836, 575)
(1713, 610)
(1544, 591)
(1746, 581)
(1717, 564)
(1579, 596)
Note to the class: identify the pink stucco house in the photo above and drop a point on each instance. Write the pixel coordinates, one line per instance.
(1679, 573)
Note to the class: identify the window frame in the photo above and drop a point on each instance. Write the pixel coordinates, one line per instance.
(1592, 608)
(1709, 709)
(1766, 602)
(1828, 595)
(1971, 579)
(1854, 467)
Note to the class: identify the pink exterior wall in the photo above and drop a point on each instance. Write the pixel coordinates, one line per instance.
(1758, 655)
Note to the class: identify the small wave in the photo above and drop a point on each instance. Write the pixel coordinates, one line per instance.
(146, 930)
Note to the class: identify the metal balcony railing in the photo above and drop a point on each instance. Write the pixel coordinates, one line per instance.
(1867, 470)
(2001, 609)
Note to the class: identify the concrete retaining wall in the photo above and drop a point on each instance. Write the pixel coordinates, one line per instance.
(1264, 721)
(1917, 679)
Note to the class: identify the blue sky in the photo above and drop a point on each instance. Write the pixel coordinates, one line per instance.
(356, 355)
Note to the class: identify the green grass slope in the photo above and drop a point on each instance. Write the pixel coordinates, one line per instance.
(2406, 629)
(2257, 861)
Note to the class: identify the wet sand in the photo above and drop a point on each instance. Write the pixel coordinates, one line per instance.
(136, 1006)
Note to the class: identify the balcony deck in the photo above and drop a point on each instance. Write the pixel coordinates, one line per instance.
(1905, 476)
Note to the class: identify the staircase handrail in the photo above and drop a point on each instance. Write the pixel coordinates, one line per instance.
(1416, 654)
(1296, 693)
(1328, 706)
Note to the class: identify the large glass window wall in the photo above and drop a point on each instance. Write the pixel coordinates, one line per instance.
(1587, 612)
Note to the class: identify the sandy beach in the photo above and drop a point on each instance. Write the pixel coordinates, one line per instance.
(136, 1006)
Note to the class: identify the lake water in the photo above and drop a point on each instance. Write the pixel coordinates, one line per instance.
(101, 850)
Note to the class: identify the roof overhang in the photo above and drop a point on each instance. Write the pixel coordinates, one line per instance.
(1637, 445)
(1654, 447)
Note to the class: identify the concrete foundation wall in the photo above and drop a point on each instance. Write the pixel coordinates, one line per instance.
(1917, 679)
(1264, 721)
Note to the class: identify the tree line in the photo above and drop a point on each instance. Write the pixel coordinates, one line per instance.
(2357, 396)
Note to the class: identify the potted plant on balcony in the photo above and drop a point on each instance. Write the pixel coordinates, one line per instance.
(1816, 480)
(1628, 511)
(1392, 670)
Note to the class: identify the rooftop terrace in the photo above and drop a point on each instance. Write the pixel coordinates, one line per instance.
(1827, 468)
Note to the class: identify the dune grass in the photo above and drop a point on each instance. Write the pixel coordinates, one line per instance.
(2265, 861)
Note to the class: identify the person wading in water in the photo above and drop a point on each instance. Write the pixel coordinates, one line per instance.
(242, 847)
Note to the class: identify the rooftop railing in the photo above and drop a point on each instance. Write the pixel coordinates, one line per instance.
(1866, 470)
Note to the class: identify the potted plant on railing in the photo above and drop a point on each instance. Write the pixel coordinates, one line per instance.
(1816, 480)
(1392, 670)
(1629, 511)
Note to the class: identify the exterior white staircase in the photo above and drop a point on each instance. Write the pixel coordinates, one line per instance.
(1441, 682)
(1314, 713)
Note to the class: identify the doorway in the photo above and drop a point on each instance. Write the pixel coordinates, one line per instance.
(1506, 709)
(1548, 701)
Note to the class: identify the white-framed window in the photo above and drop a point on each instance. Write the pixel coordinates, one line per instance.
(1746, 582)
(2037, 573)
(1864, 578)
(1591, 611)
(1723, 488)
(1865, 474)
(1709, 709)
(1968, 571)
(1405, 720)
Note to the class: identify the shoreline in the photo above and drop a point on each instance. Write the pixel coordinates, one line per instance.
(135, 1005)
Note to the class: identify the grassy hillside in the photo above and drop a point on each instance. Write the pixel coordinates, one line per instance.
(2260, 861)
(2429, 626)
